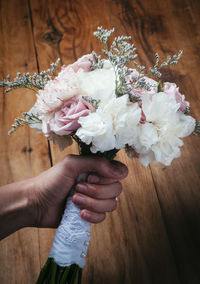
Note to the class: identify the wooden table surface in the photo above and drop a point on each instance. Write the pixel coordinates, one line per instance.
(154, 235)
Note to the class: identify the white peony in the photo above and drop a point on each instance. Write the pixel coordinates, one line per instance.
(159, 138)
(96, 128)
(126, 116)
(98, 84)
(113, 126)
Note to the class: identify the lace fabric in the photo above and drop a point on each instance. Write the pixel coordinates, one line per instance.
(72, 237)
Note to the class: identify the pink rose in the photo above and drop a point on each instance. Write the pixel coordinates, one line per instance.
(82, 63)
(137, 91)
(130, 79)
(65, 120)
(172, 90)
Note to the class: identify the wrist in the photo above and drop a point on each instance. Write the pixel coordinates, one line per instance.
(30, 206)
(15, 207)
(22, 207)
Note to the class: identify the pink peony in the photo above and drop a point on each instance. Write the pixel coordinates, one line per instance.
(172, 90)
(64, 87)
(65, 120)
(82, 63)
(61, 89)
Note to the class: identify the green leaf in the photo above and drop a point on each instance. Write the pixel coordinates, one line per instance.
(160, 89)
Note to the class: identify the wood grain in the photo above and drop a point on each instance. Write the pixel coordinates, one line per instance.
(24, 154)
(154, 235)
(178, 186)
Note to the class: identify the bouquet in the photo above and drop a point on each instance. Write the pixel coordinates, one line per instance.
(104, 104)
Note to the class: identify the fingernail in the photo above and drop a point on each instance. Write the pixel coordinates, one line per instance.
(81, 187)
(93, 179)
(79, 199)
(85, 214)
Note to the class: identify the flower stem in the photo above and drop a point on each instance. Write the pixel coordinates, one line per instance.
(65, 275)
(44, 271)
(80, 276)
(53, 272)
(59, 274)
(73, 275)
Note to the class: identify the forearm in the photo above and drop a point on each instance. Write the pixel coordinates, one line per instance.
(15, 210)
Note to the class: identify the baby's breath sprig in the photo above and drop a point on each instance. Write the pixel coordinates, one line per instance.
(103, 34)
(169, 61)
(197, 129)
(18, 123)
(120, 53)
(97, 63)
(93, 102)
(54, 67)
(33, 82)
(30, 119)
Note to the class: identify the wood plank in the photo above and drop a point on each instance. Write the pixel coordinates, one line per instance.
(129, 246)
(25, 154)
(48, 39)
(178, 186)
(174, 25)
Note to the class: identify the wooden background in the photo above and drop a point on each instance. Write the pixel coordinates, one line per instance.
(154, 235)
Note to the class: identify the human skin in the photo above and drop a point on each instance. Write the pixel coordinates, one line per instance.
(40, 201)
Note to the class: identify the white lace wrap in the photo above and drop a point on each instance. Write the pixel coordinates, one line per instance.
(72, 237)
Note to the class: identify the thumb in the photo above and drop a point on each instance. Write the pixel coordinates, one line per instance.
(81, 164)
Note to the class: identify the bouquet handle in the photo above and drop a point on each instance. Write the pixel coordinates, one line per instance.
(72, 237)
(70, 244)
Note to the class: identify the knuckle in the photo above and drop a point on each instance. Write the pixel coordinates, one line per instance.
(126, 172)
(99, 218)
(101, 162)
(91, 204)
(68, 158)
(102, 217)
(118, 188)
(93, 190)
(113, 206)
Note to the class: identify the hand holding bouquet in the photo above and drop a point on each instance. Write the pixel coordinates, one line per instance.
(105, 106)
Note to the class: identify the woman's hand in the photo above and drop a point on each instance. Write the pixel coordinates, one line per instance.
(95, 197)
(40, 201)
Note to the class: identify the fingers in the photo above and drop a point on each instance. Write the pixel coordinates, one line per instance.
(79, 164)
(97, 191)
(92, 217)
(94, 205)
(98, 195)
(94, 178)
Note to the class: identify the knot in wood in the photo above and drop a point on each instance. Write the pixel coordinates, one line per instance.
(53, 36)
